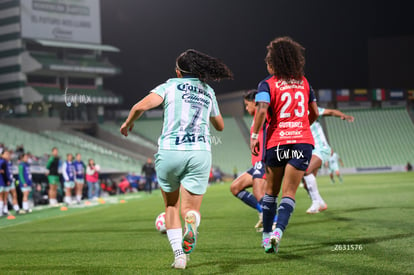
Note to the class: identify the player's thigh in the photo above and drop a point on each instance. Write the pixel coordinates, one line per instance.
(244, 181)
(194, 178)
(169, 164)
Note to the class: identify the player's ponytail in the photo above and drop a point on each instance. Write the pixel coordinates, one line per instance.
(286, 58)
(202, 66)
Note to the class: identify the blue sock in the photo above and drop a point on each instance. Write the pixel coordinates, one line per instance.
(269, 212)
(259, 206)
(247, 198)
(286, 207)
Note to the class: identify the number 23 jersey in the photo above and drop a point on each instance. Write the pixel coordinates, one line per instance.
(287, 115)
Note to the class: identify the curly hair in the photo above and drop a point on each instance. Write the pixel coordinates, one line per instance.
(286, 57)
(203, 66)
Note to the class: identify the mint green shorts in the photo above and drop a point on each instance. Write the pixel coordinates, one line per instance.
(80, 181)
(333, 168)
(25, 189)
(324, 153)
(69, 184)
(189, 168)
(3, 189)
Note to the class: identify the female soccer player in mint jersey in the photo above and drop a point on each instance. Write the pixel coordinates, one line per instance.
(183, 160)
(320, 154)
(284, 99)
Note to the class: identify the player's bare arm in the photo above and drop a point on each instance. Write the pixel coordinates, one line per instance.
(150, 101)
(217, 122)
(313, 112)
(337, 113)
(261, 111)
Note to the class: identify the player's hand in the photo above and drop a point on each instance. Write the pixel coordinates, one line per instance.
(347, 118)
(254, 146)
(125, 128)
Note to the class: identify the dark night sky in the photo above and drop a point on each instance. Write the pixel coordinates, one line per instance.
(336, 35)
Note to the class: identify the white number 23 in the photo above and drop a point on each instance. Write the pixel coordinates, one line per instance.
(299, 99)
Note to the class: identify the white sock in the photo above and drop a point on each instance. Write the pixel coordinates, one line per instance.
(5, 208)
(175, 236)
(68, 200)
(26, 205)
(313, 188)
(1, 207)
(78, 198)
(16, 207)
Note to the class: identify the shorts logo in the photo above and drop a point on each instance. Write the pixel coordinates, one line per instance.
(288, 154)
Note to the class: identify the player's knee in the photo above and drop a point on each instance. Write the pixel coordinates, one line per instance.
(234, 188)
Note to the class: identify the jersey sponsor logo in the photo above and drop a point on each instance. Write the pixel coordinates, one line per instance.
(290, 133)
(289, 84)
(190, 138)
(194, 99)
(291, 124)
(187, 87)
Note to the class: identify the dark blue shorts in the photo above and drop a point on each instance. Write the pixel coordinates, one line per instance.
(297, 155)
(257, 171)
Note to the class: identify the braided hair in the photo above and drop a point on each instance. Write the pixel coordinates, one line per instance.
(202, 66)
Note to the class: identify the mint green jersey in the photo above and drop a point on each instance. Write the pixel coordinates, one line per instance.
(318, 134)
(334, 160)
(188, 105)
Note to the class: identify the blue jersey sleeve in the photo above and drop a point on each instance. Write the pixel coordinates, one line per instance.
(312, 97)
(263, 92)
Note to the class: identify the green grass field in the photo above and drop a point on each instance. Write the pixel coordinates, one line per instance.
(373, 213)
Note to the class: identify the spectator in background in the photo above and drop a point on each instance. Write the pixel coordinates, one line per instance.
(12, 186)
(79, 177)
(92, 179)
(409, 167)
(218, 177)
(149, 170)
(53, 176)
(25, 181)
(68, 172)
(19, 151)
(3, 184)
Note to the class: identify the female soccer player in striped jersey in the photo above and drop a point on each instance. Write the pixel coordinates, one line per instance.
(284, 98)
(320, 154)
(183, 160)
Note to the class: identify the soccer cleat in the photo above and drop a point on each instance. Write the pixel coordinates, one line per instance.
(275, 238)
(259, 224)
(323, 207)
(314, 208)
(180, 262)
(267, 245)
(190, 233)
